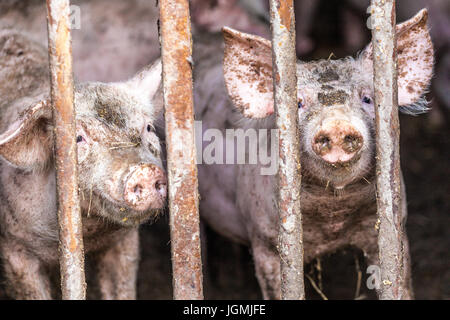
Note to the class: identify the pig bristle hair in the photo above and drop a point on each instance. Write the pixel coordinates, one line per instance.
(338, 62)
(419, 107)
(158, 213)
(359, 55)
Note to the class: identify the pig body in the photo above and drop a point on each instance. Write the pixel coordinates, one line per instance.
(121, 180)
(336, 119)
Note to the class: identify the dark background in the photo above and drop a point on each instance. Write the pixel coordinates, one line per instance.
(332, 26)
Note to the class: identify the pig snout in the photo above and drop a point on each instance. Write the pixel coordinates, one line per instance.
(145, 188)
(337, 141)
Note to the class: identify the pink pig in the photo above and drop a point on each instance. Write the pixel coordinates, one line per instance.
(336, 117)
(122, 182)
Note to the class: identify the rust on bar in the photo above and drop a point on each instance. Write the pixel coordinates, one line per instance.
(289, 174)
(71, 251)
(176, 48)
(389, 202)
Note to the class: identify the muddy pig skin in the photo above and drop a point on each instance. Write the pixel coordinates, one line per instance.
(121, 179)
(336, 117)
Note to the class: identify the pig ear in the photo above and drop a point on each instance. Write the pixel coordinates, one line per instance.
(28, 143)
(247, 70)
(147, 82)
(415, 56)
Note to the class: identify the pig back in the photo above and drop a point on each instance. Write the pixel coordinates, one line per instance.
(24, 75)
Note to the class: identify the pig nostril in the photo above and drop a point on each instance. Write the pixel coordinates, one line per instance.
(350, 138)
(323, 140)
(160, 187)
(352, 143)
(322, 144)
(145, 188)
(137, 189)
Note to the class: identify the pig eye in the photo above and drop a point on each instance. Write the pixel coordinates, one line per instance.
(367, 100)
(301, 101)
(80, 139)
(149, 128)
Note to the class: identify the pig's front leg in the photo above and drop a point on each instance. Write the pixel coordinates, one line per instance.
(27, 278)
(267, 267)
(117, 268)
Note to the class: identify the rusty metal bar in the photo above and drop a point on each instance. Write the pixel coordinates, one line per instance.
(289, 175)
(176, 49)
(388, 174)
(69, 216)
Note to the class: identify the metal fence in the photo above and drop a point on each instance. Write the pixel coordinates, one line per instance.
(176, 44)
(69, 215)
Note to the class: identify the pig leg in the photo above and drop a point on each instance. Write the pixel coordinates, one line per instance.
(25, 274)
(117, 268)
(267, 268)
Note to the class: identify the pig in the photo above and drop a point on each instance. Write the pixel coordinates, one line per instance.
(336, 132)
(122, 183)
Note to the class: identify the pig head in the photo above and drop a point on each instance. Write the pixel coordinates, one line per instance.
(122, 182)
(335, 97)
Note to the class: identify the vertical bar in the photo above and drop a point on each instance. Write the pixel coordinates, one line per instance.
(176, 48)
(387, 144)
(70, 229)
(289, 175)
